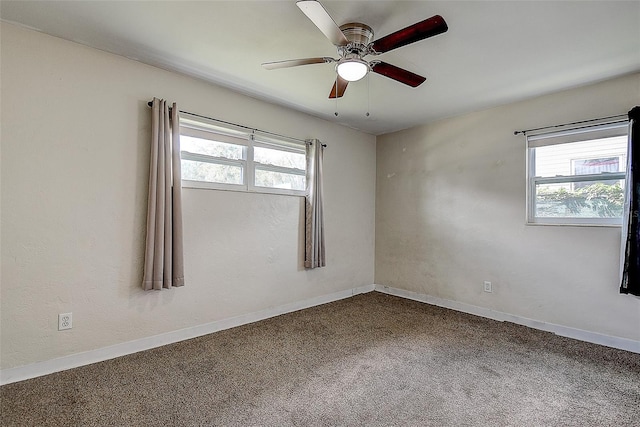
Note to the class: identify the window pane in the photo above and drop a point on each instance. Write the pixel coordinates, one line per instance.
(279, 180)
(268, 156)
(212, 159)
(582, 158)
(211, 172)
(587, 199)
(211, 148)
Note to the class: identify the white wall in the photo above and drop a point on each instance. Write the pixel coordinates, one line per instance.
(75, 132)
(450, 213)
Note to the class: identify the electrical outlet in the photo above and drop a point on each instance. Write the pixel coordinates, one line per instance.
(65, 321)
(487, 286)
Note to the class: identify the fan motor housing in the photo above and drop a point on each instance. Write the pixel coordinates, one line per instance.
(359, 35)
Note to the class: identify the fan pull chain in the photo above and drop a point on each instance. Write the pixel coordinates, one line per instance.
(368, 95)
(336, 96)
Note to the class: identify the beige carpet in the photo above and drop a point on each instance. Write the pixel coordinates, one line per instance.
(370, 360)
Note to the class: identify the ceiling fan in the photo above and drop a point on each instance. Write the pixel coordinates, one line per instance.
(353, 41)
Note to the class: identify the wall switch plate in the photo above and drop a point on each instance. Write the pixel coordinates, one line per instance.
(65, 321)
(487, 286)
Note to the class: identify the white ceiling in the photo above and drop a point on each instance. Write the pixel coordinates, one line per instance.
(494, 52)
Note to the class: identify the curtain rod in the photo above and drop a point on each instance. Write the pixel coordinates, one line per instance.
(150, 103)
(619, 116)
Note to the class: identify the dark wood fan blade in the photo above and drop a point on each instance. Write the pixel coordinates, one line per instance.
(398, 74)
(339, 87)
(413, 33)
(295, 62)
(325, 23)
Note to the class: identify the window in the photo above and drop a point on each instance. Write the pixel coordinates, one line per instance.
(577, 176)
(235, 158)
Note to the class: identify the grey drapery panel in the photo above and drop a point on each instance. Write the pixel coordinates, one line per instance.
(630, 250)
(163, 261)
(314, 216)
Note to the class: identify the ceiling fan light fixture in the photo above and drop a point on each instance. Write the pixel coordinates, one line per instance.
(352, 69)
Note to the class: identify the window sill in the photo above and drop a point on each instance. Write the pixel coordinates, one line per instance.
(197, 185)
(573, 224)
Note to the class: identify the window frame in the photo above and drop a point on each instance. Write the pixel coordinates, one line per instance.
(248, 139)
(566, 136)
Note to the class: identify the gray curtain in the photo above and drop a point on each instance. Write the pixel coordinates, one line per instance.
(314, 216)
(163, 261)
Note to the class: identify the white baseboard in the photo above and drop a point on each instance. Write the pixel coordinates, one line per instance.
(565, 331)
(21, 373)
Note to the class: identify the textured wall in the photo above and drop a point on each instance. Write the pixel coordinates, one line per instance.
(450, 213)
(75, 131)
